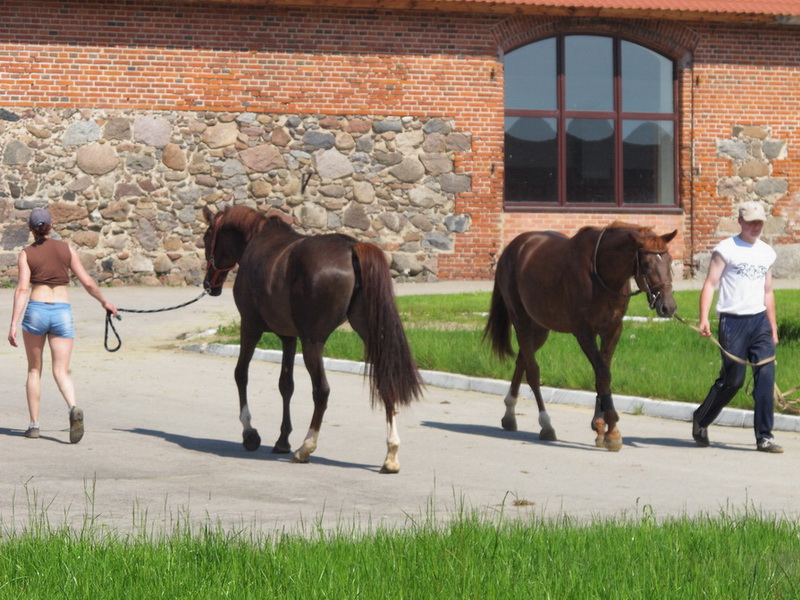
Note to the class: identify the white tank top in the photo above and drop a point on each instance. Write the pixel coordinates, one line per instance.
(741, 286)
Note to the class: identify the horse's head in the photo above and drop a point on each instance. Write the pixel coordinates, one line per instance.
(654, 272)
(221, 254)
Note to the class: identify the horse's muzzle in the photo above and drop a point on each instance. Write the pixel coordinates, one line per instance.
(665, 306)
(212, 291)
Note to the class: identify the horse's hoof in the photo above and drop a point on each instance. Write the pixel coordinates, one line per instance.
(509, 423)
(281, 449)
(390, 469)
(251, 440)
(599, 426)
(548, 435)
(298, 458)
(613, 444)
(600, 441)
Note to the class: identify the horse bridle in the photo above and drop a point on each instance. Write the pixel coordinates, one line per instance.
(218, 272)
(653, 291)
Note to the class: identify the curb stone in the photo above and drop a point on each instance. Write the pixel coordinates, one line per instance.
(665, 409)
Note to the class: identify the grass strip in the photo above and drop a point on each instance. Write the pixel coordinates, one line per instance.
(715, 557)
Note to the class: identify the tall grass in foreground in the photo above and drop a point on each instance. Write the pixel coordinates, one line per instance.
(654, 359)
(713, 557)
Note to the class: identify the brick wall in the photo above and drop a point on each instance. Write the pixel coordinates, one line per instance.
(740, 77)
(198, 57)
(210, 57)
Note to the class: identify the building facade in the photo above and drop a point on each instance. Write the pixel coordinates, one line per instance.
(438, 130)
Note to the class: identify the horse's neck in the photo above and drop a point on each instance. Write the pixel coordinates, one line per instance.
(272, 236)
(275, 228)
(614, 257)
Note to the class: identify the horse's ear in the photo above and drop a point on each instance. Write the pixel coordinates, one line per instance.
(668, 237)
(208, 215)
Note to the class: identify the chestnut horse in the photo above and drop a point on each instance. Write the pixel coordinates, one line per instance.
(546, 282)
(305, 287)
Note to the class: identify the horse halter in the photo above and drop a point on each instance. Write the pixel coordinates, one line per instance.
(653, 291)
(218, 273)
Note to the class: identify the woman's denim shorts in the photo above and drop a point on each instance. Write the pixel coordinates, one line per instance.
(49, 318)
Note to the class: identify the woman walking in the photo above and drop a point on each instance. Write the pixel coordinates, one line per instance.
(41, 294)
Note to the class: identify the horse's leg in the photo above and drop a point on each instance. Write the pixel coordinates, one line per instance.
(391, 463)
(509, 420)
(312, 354)
(247, 345)
(286, 388)
(529, 344)
(526, 364)
(613, 437)
(604, 414)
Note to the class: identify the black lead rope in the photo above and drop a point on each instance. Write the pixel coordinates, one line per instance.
(110, 315)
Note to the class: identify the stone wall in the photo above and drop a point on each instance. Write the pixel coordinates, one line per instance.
(754, 154)
(126, 188)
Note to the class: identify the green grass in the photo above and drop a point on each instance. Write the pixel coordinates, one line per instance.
(713, 557)
(665, 360)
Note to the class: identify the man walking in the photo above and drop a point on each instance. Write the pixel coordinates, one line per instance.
(741, 268)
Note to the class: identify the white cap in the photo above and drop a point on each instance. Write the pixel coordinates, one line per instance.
(752, 211)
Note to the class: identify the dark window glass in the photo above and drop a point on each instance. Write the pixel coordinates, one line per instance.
(648, 162)
(531, 159)
(646, 80)
(530, 74)
(589, 73)
(590, 121)
(590, 161)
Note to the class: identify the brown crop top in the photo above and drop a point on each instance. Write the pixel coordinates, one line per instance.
(49, 261)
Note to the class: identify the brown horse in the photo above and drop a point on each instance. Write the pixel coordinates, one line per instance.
(305, 287)
(546, 282)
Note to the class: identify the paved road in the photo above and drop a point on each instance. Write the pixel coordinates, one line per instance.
(163, 445)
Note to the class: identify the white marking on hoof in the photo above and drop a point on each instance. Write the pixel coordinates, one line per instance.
(303, 454)
(599, 425)
(547, 434)
(244, 418)
(613, 444)
(391, 464)
(509, 420)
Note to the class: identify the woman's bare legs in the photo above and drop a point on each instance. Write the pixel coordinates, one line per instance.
(61, 352)
(34, 349)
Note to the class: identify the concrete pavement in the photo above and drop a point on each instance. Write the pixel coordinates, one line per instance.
(162, 445)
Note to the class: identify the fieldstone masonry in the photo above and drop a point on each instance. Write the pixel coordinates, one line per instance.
(126, 188)
(752, 152)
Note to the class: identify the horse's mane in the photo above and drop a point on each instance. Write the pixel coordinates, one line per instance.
(247, 219)
(651, 242)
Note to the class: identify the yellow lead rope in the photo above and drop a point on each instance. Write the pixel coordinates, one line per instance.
(784, 403)
(733, 357)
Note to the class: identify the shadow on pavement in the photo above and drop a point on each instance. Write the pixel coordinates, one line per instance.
(228, 449)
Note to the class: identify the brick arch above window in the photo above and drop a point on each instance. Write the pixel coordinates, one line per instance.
(669, 38)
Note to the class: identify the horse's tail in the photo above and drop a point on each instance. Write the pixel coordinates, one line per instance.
(392, 372)
(498, 325)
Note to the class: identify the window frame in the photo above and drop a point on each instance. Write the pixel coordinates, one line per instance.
(562, 115)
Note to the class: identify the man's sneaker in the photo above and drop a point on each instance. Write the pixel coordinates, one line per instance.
(32, 432)
(769, 445)
(700, 434)
(75, 425)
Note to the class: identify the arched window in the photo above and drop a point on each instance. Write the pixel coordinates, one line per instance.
(590, 122)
